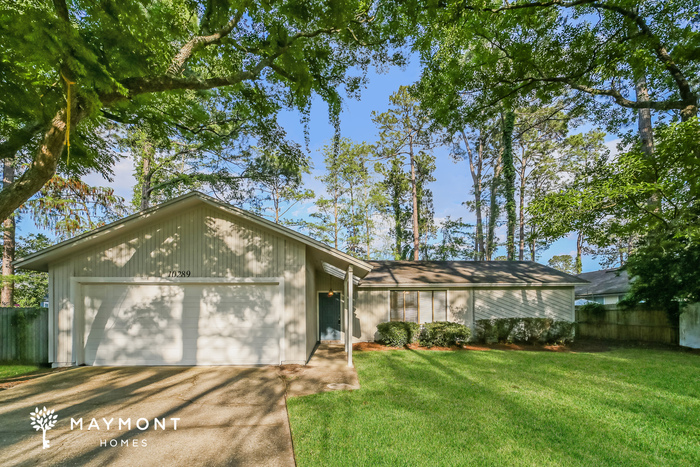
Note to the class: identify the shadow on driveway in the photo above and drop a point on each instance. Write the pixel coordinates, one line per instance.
(227, 416)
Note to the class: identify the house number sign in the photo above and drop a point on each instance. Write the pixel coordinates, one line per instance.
(179, 273)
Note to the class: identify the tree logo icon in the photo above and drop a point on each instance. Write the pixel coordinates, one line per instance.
(43, 420)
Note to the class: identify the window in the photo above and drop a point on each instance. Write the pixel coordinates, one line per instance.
(424, 306)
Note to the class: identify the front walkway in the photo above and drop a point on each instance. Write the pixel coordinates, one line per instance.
(327, 370)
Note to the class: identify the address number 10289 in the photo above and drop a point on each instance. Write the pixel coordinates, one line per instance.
(179, 273)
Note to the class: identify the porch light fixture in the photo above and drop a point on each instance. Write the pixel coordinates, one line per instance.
(330, 285)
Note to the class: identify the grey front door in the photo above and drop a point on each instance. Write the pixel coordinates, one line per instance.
(329, 316)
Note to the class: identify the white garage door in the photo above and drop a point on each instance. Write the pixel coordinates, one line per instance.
(181, 324)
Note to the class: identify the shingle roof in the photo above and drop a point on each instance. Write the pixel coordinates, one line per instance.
(603, 282)
(467, 273)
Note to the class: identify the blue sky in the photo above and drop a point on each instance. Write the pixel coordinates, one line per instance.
(453, 180)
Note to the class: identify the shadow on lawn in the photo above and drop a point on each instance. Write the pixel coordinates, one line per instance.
(520, 407)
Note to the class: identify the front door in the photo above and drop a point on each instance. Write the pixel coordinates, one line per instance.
(329, 316)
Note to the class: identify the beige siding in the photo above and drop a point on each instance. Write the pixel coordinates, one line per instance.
(203, 240)
(372, 308)
(459, 306)
(555, 303)
(311, 308)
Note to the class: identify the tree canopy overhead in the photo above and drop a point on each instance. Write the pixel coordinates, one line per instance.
(133, 60)
(493, 51)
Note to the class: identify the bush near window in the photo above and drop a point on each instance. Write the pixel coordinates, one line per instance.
(527, 330)
(443, 334)
(398, 333)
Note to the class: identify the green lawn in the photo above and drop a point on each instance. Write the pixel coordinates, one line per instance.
(624, 407)
(8, 371)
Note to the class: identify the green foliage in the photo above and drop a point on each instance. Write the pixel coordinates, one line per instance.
(398, 333)
(454, 242)
(176, 65)
(443, 334)
(593, 308)
(279, 179)
(69, 207)
(528, 330)
(31, 287)
(346, 218)
(656, 199)
(405, 139)
(589, 51)
(563, 263)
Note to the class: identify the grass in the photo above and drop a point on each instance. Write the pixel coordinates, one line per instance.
(624, 407)
(8, 370)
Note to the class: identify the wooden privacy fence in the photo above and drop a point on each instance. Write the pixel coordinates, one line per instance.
(626, 325)
(24, 335)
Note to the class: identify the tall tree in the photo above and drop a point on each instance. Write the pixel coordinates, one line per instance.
(403, 132)
(83, 63)
(509, 182)
(397, 186)
(8, 242)
(279, 179)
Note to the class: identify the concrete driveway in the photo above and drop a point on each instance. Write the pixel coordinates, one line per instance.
(227, 416)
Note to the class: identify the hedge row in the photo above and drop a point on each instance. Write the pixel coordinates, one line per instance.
(525, 330)
(437, 334)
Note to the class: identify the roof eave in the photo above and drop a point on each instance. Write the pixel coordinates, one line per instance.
(464, 285)
(40, 260)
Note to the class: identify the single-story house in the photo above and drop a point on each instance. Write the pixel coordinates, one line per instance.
(194, 281)
(607, 286)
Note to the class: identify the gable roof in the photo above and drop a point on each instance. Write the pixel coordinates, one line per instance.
(464, 274)
(40, 260)
(604, 282)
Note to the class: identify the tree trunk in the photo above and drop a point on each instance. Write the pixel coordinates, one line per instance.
(414, 196)
(646, 135)
(509, 181)
(521, 220)
(475, 168)
(8, 244)
(494, 210)
(43, 166)
(533, 247)
(146, 175)
(579, 253)
(335, 219)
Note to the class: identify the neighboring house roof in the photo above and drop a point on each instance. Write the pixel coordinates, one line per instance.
(603, 282)
(40, 260)
(464, 274)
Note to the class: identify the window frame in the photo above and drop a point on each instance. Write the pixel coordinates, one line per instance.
(432, 299)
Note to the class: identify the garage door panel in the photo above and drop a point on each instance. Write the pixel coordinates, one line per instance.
(187, 324)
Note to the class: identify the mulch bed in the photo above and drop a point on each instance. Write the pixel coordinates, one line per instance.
(591, 345)
(578, 346)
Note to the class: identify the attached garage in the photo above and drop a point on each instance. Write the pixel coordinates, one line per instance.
(189, 282)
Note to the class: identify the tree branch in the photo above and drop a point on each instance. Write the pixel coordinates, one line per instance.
(199, 42)
(18, 139)
(61, 9)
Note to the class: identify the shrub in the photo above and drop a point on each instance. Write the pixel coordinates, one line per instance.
(398, 333)
(528, 330)
(443, 334)
(593, 309)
